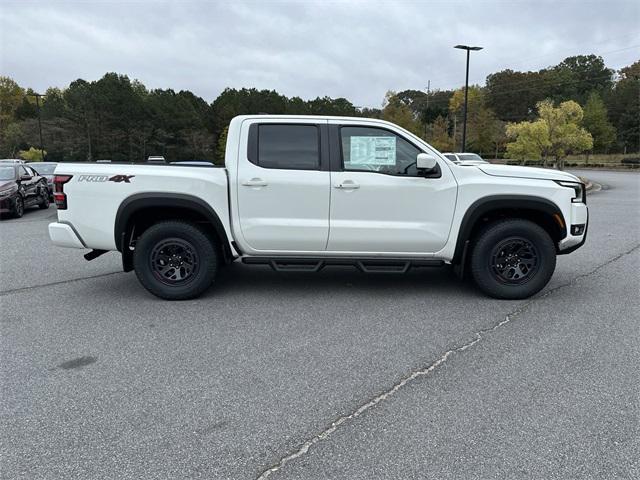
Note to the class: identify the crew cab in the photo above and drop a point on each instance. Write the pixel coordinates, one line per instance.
(300, 193)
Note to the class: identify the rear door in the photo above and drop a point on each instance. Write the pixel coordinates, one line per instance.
(283, 186)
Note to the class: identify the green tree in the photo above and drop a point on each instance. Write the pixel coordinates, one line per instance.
(624, 107)
(80, 109)
(597, 124)
(426, 106)
(513, 95)
(397, 112)
(221, 147)
(11, 97)
(576, 77)
(13, 137)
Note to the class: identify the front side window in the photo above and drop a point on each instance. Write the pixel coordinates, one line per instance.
(291, 147)
(377, 150)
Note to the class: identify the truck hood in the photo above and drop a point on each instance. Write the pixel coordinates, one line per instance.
(526, 172)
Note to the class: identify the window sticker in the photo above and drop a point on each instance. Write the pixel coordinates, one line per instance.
(373, 151)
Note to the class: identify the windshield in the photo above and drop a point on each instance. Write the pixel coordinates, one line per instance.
(46, 169)
(7, 173)
(470, 156)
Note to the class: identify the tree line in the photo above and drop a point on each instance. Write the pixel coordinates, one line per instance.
(120, 119)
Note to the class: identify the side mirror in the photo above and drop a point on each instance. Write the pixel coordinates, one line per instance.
(425, 161)
(25, 178)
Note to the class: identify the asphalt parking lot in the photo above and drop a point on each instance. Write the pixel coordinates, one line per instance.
(329, 375)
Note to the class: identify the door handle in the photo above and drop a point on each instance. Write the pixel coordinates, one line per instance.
(254, 182)
(347, 185)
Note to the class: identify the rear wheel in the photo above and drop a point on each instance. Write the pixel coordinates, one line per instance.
(44, 198)
(175, 260)
(513, 259)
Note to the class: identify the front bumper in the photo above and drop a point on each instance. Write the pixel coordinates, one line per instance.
(579, 216)
(8, 204)
(63, 235)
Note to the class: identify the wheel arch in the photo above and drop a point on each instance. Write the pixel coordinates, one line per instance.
(139, 211)
(488, 209)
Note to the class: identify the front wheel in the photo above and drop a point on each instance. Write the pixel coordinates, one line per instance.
(175, 260)
(513, 259)
(18, 208)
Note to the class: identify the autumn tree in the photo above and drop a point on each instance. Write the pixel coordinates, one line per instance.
(438, 135)
(481, 120)
(397, 112)
(556, 133)
(32, 155)
(530, 140)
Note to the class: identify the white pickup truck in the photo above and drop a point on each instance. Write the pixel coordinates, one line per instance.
(300, 193)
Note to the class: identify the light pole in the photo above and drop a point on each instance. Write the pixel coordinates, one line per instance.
(38, 95)
(466, 92)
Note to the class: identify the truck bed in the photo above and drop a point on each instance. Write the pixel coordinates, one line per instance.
(97, 191)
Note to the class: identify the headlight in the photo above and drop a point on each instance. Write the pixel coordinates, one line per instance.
(8, 191)
(580, 195)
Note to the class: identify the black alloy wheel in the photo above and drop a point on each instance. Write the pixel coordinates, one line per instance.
(514, 261)
(512, 258)
(174, 261)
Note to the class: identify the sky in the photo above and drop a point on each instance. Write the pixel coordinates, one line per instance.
(354, 49)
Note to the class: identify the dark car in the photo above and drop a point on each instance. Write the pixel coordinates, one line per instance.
(45, 169)
(21, 187)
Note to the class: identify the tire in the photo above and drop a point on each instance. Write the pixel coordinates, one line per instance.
(513, 259)
(44, 199)
(18, 208)
(175, 260)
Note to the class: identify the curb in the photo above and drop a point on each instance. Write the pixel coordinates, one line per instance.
(588, 184)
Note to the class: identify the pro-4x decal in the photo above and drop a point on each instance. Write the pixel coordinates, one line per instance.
(121, 178)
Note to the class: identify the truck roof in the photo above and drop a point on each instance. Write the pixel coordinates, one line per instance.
(313, 117)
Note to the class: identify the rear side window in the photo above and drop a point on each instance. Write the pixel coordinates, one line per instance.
(289, 147)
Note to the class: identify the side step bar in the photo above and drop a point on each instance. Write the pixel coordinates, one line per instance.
(365, 265)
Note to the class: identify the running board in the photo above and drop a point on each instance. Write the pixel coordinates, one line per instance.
(365, 265)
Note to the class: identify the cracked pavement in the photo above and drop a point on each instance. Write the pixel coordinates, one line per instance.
(99, 379)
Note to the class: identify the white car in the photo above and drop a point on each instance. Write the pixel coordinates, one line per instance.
(465, 158)
(300, 193)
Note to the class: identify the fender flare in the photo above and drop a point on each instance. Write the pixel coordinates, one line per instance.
(138, 201)
(484, 205)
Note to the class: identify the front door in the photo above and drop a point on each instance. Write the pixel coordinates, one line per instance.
(380, 203)
(28, 187)
(283, 188)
